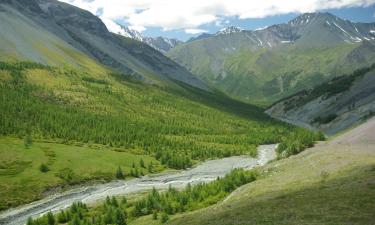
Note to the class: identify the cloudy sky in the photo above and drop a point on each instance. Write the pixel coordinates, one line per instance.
(186, 18)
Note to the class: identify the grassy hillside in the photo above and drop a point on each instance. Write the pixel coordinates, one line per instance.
(176, 125)
(332, 183)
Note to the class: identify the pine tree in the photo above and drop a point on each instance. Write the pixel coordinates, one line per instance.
(150, 167)
(120, 217)
(61, 217)
(114, 201)
(50, 219)
(119, 173)
(30, 221)
(142, 163)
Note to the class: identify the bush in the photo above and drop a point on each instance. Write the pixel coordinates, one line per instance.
(43, 168)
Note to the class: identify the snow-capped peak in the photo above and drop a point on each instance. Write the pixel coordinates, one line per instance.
(229, 30)
(124, 31)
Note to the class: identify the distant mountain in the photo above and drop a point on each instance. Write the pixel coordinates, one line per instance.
(161, 44)
(229, 30)
(332, 106)
(56, 33)
(267, 64)
(201, 36)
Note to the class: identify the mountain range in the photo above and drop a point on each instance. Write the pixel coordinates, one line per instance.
(267, 64)
(57, 33)
(161, 44)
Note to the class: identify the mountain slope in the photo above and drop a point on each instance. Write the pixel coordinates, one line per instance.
(335, 178)
(57, 33)
(270, 63)
(333, 106)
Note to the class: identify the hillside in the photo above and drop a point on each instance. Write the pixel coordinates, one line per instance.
(335, 178)
(52, 116)
(333, 106)
(267, 64)
(56, 33)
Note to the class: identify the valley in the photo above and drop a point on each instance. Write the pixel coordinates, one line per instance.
(103, 121)
(205, 172)
(332, 183)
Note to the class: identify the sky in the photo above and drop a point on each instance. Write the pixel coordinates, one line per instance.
(183, 19)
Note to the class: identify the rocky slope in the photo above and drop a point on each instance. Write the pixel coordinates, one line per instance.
(273, 62)
(57, 33)
(162, 44)
(333, 106)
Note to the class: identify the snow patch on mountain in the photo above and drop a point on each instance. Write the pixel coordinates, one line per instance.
(229, 30)
(161, 44)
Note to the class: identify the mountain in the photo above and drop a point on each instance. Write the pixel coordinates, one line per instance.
(333, 106)
(270, 63)
(56, 33)
(161, 44)
(202, 36)
(229, 30)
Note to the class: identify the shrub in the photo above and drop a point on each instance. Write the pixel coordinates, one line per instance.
(43, 168)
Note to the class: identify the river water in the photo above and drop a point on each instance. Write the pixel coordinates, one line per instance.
(205, 172)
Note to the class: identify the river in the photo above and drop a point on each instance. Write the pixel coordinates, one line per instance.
(204, 172)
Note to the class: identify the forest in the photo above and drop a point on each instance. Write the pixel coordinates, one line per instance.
(75, 106)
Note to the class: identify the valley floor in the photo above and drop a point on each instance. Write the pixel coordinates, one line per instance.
(204, 172)
(332, 183)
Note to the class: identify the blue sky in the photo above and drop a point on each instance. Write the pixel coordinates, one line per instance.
(183, 19)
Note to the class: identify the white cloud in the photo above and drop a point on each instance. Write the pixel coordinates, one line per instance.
(194, 31)
(191, 14)
(112, 26)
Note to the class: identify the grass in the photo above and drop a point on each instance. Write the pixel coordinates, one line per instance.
(328, 184)
(21, 180)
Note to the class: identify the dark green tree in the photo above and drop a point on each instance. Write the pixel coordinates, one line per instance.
(43, 168)
(142, 163)
(50, 219)
(119, 173)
